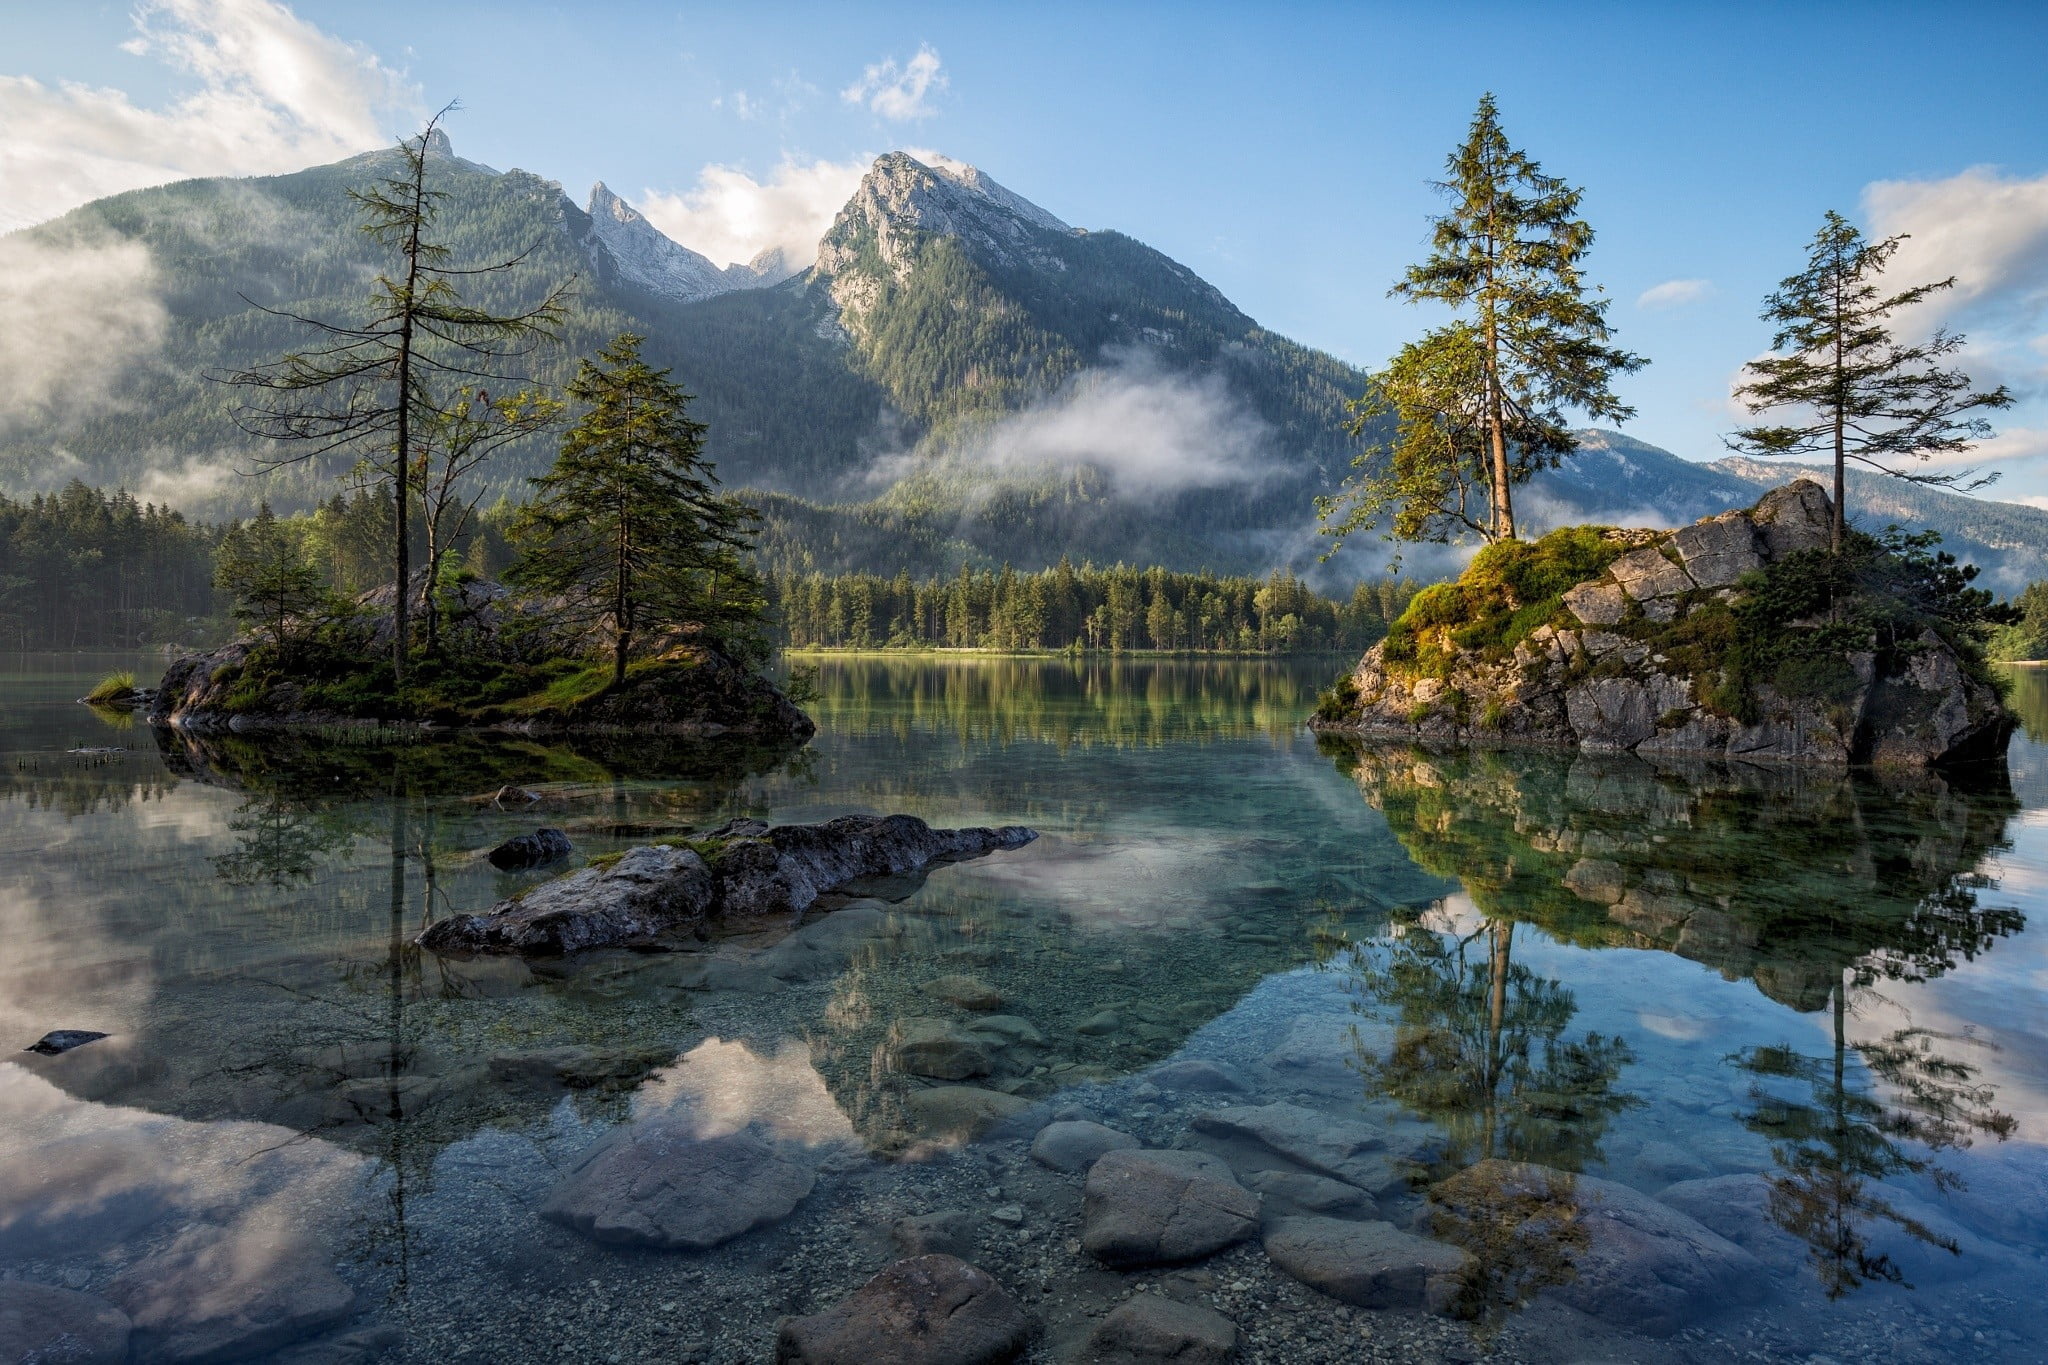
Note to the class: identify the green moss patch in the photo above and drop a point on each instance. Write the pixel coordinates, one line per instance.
(1511, 589)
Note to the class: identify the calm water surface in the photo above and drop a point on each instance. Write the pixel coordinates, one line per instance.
(1808, 1013)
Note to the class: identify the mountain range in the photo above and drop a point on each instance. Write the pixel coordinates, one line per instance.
(960, 376)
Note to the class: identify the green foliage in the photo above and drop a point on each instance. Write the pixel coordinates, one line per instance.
(82, 568)
(265, 573)
(1864, 395)
(115, 687)
(2027, 637)
(627, 529)
(1511, 589)
(1064, 607)
(1339, 701)
(1494, 391)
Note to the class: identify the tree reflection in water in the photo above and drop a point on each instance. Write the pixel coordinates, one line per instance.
(1815, 886)
(1830, 1148)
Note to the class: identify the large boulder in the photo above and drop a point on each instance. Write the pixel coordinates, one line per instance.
(752, 870)
(939, 1049)
(1609, 1251)
(1367, 1265)
(1251, 1137)
(1640, 657)
(648, 893)
(925, 1310)
(42, 1325)
(1156, 1208)
(657, 1183)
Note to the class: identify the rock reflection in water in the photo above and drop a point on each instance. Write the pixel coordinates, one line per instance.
(1819, 888)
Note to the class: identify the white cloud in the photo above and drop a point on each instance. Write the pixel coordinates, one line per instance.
(730, 216)
(1988, 230)
(1672, 294)
(72, 319)
(275, 94)
(899, 94)
(1152, 431)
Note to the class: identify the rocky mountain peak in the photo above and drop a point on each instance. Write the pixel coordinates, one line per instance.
(624, 245)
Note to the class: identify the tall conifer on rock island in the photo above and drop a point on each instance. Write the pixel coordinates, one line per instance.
(374, 388)
(1867, 396)
(1508, 257)
(628, 529)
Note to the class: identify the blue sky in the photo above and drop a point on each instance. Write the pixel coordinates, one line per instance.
(1280, 150)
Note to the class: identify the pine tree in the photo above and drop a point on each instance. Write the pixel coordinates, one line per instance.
(628, 529)
(1868, 396)
(372, 389)
(1511, 250)
(262, 566)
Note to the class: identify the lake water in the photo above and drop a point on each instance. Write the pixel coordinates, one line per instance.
(1776, 1042)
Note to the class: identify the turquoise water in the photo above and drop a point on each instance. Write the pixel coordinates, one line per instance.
(1810, 1012)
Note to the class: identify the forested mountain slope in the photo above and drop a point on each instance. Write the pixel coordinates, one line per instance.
(961, 378)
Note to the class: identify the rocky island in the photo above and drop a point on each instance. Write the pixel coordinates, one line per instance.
(1741, 636)
(503, 666)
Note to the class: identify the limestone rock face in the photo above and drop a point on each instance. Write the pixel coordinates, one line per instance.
(659, 890)
(1594, 679)
(1156, 1208)
(925, 1310)
(656, 1183)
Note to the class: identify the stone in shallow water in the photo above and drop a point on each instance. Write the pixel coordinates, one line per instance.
(1288, 1194)
(63, 1040)
(1199, 1074)
(948, 1232)
(1149, 1328)
(1074, 1146)
(537, 849)
(926, 1310)
(657, 1183)
(938, 1048)
(1736, 1206)
(960, 1113)
(1622, 1256)
(968, 992)
(229, 1293)
(1367, 1265)
(1325, 1144)
(42, 1325)
(1155, 1208)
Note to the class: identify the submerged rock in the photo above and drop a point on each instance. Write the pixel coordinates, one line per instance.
(1607, 1250)
(229, 1293)
(1151, 1329)
(656, 1183)
(1367, 1265)
(1155, 1208)
(960, 1113)
(1617, 667)
(537, 849)
(1324, 1144)
(938, 1048)
(948, 1232)
(1076, 1144)
(63, 1040)
(660, 890)
(926, 1310)
(43, 1325)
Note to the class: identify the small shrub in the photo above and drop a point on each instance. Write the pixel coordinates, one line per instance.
(112, 689)
(1339, 701)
